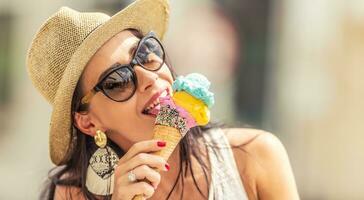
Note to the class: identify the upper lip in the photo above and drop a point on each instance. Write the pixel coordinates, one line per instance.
(154, 97)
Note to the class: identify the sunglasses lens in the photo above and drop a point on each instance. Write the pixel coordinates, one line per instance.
(119, 85)
(150, 54)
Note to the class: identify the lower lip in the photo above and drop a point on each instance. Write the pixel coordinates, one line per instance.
(154, 112)
(152, 115)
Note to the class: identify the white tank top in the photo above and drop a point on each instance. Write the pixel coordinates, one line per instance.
(226, 182)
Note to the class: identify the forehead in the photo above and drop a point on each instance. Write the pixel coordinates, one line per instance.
(117, 49)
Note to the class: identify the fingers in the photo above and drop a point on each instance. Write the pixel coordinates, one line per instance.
(138, 188)
(142, 188)
(127, 190)
(143, 147)
(145, 172)
(144, 166)
(153, 161)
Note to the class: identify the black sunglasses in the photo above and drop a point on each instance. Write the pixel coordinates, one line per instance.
(120, 82)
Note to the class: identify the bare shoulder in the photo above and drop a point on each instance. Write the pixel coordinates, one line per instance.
(260, 144)
(256, 146)
(242, 136)
(67, 192)
(263, 164)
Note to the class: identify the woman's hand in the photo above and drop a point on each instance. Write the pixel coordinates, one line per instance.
(143, 165)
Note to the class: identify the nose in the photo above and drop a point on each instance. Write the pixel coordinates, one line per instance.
(145, 78)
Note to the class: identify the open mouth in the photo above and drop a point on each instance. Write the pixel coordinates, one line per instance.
(154, 107)
(152, 111)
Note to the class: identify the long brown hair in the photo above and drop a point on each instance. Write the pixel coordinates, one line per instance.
(73, 173)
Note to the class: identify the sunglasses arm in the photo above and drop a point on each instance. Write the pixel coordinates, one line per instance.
(87, 98)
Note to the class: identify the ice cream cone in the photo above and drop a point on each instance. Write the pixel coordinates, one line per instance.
(171, 135)
(188, 108)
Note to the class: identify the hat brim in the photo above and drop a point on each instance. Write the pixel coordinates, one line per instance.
(143, 15)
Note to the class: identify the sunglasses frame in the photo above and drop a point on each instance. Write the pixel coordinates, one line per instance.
(98, 87)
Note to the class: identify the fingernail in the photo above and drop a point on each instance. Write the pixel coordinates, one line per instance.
(161, 143)
(167, 166)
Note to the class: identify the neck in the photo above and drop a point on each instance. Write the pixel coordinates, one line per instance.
(169, 178)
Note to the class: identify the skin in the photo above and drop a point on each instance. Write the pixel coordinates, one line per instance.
(263, 165)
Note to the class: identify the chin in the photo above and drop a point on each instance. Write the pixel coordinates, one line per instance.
(146, 129)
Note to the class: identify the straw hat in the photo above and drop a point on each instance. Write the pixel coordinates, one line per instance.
(63, 46)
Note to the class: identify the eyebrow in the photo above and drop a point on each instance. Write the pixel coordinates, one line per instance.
(130, 52)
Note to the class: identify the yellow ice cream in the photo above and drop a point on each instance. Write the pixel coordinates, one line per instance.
(194, 106)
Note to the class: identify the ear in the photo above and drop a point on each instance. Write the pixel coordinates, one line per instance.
(84, 123)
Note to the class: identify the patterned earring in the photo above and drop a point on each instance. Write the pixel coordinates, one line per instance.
(100, 171)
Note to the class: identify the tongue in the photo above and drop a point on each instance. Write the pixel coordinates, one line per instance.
(155, 110)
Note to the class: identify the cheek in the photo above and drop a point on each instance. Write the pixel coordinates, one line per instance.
(113, 115)
(165, 74)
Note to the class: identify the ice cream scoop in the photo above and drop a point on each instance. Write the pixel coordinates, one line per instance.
(197, 86)
(195, 107)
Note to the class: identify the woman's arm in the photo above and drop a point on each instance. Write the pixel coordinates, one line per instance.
(263, 164)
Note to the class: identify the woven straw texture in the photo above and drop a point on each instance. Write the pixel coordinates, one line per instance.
(63, 46)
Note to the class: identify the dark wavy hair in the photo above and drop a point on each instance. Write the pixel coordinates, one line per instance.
(73, 173)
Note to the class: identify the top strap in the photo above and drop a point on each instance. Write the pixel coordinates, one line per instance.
(225, 178)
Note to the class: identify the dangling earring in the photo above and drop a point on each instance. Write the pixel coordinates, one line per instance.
(100, 171)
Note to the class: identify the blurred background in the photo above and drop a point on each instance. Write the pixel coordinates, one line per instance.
(294, 68)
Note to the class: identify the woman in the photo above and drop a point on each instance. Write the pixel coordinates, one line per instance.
(101, 76)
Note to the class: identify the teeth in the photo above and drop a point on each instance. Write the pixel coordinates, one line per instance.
(164, 93)
(156, 102)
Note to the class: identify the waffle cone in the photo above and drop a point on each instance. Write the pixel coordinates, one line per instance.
(169, 134)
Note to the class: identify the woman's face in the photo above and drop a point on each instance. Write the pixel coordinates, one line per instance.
(123, 122)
